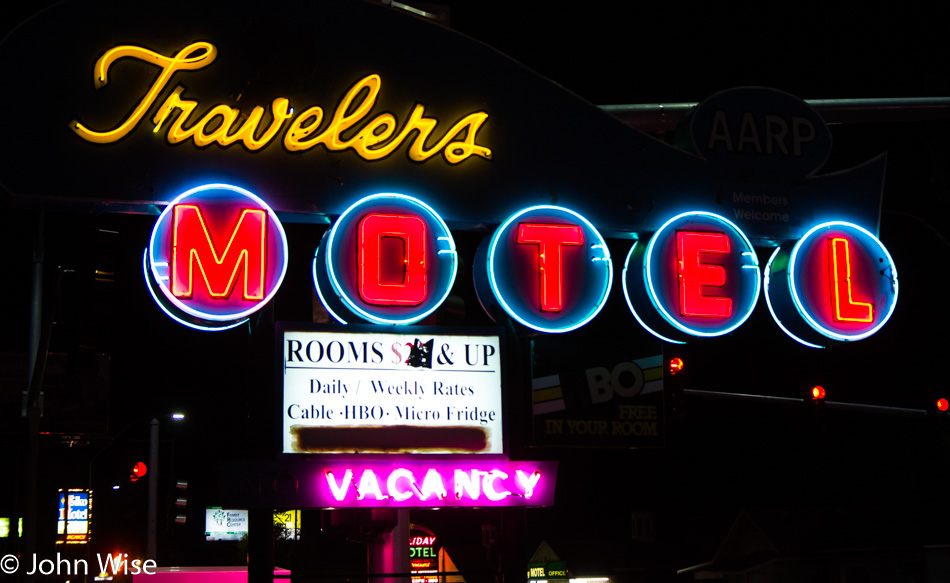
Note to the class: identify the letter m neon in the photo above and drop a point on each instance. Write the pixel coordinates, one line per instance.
(192, 245)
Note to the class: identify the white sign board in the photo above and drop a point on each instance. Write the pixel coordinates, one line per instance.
(224, 524)
(360, 392)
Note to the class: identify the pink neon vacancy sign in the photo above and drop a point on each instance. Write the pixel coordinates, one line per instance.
(435, 484)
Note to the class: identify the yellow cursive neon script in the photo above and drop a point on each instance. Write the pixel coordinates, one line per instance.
(370, 138)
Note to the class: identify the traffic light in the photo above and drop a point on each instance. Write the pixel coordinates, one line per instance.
(181, 501)
(138, 471)
(814, 401)
(677, 397)
(937, 408)
(676, 365)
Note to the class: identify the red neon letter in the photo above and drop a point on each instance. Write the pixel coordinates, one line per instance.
(191, 243)
(846, 309)
(693, 275)
(549, 239)
(392, 260)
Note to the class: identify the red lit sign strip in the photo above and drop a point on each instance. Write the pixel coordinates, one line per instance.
(846, 309)
(192, 243)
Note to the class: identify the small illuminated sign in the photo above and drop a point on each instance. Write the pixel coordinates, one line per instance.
(225, 524)
(388, 259)
(548, 268)
(287, 524)
(698, 272)
(372, 392)
(430, 484)
(5, 527)
(217, 254)
(75, 517)
(838, 279)
(549, 571)
(423, 555)
(371, 139)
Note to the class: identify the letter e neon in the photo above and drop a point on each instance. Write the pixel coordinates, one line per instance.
(693, 274)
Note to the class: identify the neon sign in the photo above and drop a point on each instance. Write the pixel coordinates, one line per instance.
(402, 279)
(547, 267)
(694, 275)
(837, 282)
(700, 277)
(388, 259)
(431, 484)
(192, 245)
(550, 239)
(423, 555)
(217, 125)
(217, 254)
(846, 309)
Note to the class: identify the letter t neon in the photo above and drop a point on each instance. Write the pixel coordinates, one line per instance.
(549, 239)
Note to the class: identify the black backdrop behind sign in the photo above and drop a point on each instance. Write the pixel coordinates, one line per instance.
(549, 146)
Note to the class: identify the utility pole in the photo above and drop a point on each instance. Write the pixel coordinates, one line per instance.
(151, 535)
(32, 400)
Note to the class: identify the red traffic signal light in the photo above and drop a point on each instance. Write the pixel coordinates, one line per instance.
(138, 471)
(942, 405)
(817, 393)
(676, 365)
